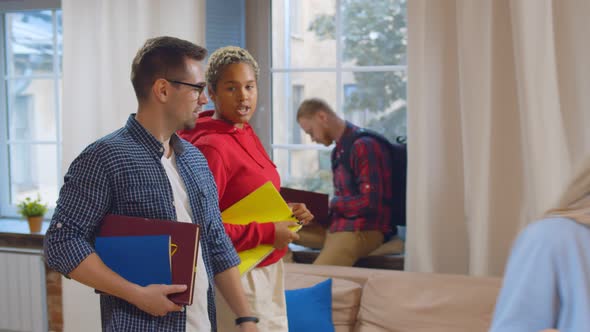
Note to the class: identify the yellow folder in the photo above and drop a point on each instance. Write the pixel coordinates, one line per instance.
(265, 204)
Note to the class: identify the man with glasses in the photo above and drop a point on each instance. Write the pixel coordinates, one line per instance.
(197, 88)
(144, 169)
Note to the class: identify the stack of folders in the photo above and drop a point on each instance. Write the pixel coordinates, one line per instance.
(151, 251)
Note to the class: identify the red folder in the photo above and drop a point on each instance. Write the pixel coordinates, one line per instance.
(316, 203)
(185, 237)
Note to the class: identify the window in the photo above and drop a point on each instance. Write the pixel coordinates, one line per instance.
(30, 90)
(351, 53)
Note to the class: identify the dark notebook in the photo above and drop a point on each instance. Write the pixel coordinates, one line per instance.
(184, 238)
(143, 259)
(317, 203)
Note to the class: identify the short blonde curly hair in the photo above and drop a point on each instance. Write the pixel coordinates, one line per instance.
(223, 57)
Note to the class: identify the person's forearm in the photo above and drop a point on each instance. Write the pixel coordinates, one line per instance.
(94, 273)
(251, 235)
(229, 284)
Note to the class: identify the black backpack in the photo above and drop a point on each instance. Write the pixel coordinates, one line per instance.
(399, 157)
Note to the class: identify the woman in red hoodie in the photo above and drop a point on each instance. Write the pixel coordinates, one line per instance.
(240, 165)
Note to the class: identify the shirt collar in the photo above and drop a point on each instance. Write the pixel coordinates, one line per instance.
(145, 138)
(348, 131)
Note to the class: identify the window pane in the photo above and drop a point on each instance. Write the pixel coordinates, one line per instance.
(289, 89)
(33, 170)
(60, 39)
(32, 109)
(374, 32)
(304, 169)
(314, 45)
(29, 43)
(295, 18)
(376, 100)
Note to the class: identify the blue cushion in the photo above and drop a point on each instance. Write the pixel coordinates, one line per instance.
(310, 309)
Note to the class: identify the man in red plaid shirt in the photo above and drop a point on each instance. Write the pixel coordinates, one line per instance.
(359, 211)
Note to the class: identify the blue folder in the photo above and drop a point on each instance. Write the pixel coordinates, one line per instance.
(143, 260)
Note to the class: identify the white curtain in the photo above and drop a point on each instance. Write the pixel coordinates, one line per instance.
(100, 41)
(499, 106)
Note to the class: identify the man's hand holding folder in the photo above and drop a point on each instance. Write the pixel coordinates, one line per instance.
(153, 299)
(185, 236)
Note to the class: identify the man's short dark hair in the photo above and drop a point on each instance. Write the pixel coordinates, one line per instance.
(161, 57)
(312, 106)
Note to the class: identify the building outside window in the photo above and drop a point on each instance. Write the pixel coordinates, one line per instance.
(296, 99)
(295, 18)
(351, 53)
(30, 90)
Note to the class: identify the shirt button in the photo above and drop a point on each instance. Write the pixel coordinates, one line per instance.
(161, 149)
(182, 309)
(58, 225)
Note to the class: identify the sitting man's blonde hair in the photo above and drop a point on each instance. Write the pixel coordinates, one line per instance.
(312, 106)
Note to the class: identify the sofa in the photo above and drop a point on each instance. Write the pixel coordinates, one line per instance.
(371, 300)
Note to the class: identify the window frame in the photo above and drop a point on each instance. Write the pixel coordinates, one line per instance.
(8, 210)
(297, 93)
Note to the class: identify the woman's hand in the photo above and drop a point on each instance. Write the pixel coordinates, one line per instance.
(301, 213)
(283, 235)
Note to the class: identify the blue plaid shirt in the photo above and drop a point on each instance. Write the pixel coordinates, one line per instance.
(121, 173)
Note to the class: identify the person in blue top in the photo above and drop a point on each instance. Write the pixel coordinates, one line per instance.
(547, 279)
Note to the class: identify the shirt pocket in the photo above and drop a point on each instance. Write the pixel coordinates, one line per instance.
(143, 200)
(138, 194)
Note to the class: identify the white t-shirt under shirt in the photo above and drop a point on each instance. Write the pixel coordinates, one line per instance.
(197, 318)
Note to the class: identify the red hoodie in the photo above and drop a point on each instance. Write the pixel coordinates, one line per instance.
(239, 165)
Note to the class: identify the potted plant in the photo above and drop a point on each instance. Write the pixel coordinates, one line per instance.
(33, 210)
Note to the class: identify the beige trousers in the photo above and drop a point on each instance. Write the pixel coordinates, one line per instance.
(265, 290)
(339, 248)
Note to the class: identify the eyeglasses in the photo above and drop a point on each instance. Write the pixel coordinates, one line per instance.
(198, 88)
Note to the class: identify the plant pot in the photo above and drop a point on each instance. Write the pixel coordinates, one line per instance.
(35, 224)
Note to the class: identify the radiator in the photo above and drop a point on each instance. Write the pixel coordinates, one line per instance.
(23, 304)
